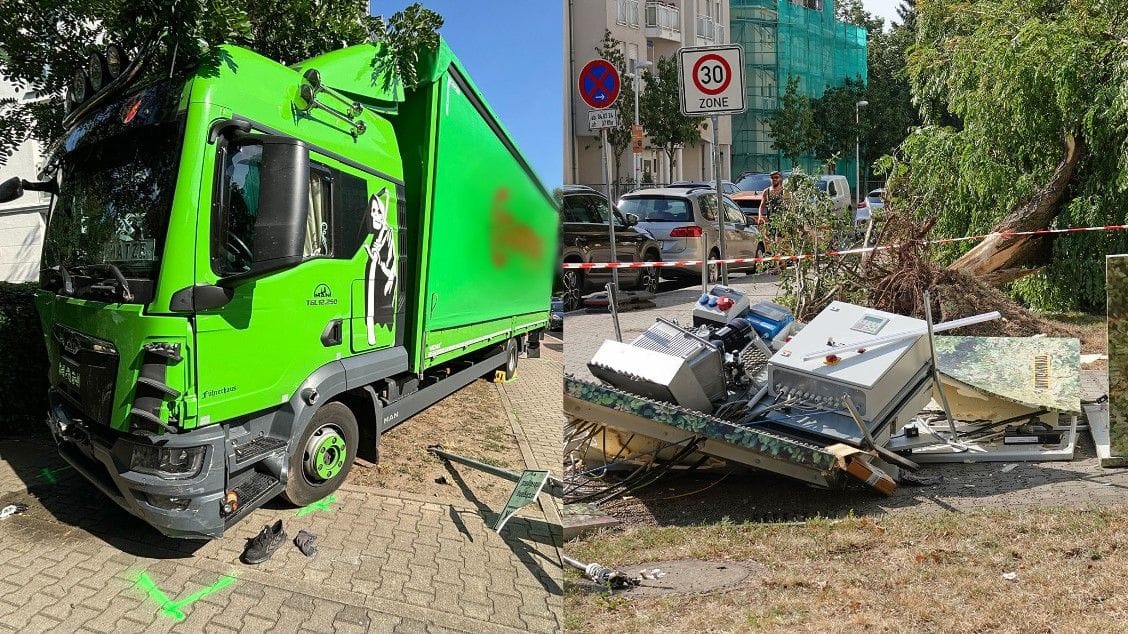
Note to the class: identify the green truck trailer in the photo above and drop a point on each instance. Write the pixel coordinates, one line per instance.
(251, 272)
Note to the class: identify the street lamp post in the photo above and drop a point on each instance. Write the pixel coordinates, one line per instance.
(858, 147)
(637, 76)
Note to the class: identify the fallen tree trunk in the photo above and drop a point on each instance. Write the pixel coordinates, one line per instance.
(1000, 258)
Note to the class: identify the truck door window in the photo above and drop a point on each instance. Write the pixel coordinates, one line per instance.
(318, 239)
(236, 237)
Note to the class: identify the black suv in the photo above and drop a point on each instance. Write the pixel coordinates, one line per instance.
(584, 238)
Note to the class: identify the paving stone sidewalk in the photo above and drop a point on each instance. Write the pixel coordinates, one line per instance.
(388, 561)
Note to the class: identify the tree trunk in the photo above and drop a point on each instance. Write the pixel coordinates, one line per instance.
(999, 258)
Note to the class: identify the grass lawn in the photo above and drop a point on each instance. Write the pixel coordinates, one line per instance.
(906, 572)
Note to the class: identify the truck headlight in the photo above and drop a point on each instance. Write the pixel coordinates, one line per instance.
(170, 463)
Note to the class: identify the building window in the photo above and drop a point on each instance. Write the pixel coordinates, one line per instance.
(634, 15)
(621, 13)
(816, 5)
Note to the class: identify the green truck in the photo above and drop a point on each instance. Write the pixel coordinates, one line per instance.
(252, 272)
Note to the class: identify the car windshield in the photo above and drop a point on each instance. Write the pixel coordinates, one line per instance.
(754, 182)
(657, 208)
(118, 175)
(587, 208)
(821, 185)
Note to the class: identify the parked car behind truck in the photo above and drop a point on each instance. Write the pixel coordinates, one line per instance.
(585, 238)
(679, 218)
(240, 284)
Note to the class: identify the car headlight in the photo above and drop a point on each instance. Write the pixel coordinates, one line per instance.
(170, 463)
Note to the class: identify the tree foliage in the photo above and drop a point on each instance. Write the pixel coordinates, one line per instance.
(792, 126)
(833, 116)
(808, 222)
(619, 136)
(1024, 78)
(44, 42)
(660, 110)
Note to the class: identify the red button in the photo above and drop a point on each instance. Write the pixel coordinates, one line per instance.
(724, 303)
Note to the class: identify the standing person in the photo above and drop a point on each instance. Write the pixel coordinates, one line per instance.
(772, 198)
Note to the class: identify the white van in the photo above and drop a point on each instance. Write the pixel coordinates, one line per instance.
(838, 188)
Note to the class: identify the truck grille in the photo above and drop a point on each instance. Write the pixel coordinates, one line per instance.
(86, 373)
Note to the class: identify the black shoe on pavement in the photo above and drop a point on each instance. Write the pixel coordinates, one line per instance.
(262, 546)
(304, 542)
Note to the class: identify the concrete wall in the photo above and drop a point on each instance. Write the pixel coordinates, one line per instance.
(21, 221)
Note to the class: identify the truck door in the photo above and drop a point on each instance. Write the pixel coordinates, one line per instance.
(280, 326)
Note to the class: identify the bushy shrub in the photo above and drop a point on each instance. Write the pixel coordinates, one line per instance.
(23, 361)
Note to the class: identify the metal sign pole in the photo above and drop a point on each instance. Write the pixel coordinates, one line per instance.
(614, 289)
(704, 262)
(720, 201)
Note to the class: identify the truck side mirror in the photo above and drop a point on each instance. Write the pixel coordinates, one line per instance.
(632, 220)
(284, 204)
(11, 189)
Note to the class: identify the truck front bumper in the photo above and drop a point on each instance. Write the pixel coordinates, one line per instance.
(187, 508)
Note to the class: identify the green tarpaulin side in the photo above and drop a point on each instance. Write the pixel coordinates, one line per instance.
(783, 38)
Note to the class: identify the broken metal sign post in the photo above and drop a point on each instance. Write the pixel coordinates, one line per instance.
(526, 491)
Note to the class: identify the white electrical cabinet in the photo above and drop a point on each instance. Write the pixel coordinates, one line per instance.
(874, 378)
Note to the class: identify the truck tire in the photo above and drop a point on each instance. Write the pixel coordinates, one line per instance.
(322, 456)
(510, 367)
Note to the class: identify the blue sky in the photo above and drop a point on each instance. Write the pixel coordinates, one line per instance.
(514, 51)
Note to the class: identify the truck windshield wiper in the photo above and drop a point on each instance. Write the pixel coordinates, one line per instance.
(64, 274)
(126, 294)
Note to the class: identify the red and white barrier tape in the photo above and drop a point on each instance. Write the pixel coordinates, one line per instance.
(808, 256)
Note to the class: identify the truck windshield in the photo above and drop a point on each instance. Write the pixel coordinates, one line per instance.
(114, 202)
(118, 174)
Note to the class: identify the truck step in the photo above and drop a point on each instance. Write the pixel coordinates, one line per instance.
(254, 489)
(258, 447)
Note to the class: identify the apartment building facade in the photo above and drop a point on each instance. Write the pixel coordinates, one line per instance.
(22, 220)
(649, 30)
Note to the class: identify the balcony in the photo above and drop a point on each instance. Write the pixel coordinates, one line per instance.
(627, 13)
(709, 31)
(706, 30)
(663, 22)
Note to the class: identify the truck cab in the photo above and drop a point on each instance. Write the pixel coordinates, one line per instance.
(250, 270)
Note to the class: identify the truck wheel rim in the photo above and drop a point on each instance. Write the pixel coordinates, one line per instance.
(325, 454)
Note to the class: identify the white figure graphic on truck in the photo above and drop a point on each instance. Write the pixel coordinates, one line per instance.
(381, 258)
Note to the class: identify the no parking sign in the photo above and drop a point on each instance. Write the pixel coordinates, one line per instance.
(712, 80)
(599, 83)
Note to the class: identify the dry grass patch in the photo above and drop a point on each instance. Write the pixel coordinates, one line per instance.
(471, 422)
(911, 572)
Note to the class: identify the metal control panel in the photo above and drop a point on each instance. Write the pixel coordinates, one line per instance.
(720, 305)
(872, 377)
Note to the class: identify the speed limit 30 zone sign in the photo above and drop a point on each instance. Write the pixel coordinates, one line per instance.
(712, 80)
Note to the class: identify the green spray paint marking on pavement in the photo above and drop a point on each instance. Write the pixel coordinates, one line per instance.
(51, 475)
(320, 505)
(171, 608)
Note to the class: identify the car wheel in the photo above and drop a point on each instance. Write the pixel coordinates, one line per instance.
(759, 266)
(323, 455)
(573, 282)
(648, 277)
(714, 269)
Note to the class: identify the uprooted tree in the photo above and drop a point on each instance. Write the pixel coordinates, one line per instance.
(1037, 92)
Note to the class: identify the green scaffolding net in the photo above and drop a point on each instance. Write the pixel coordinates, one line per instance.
(783, 38)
